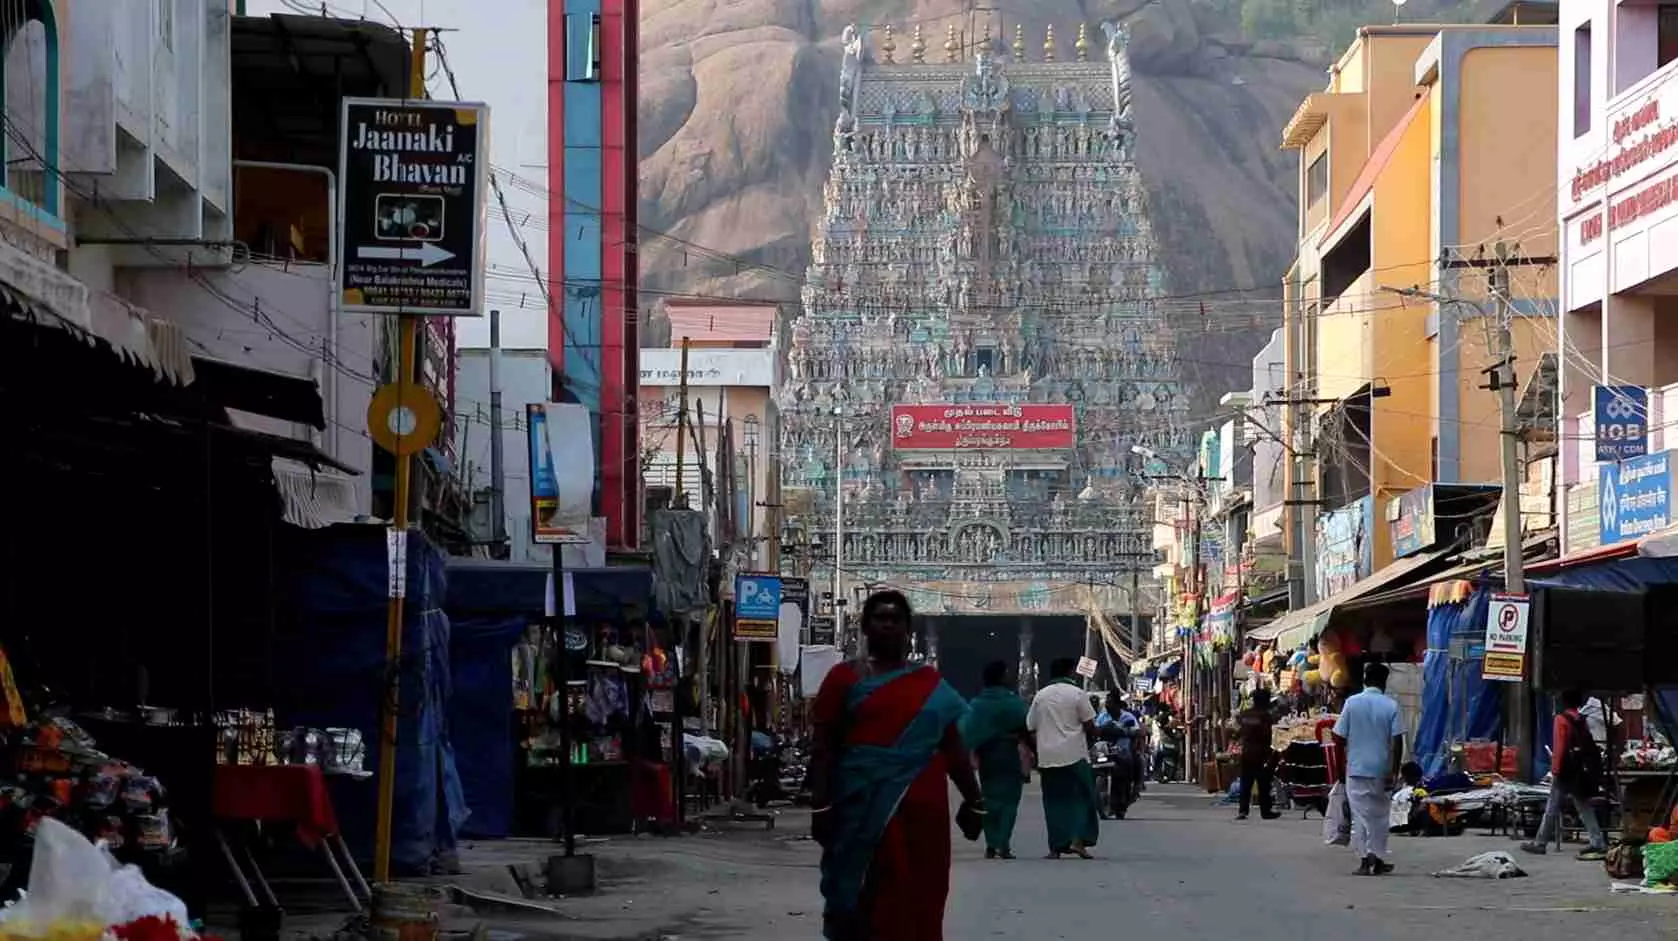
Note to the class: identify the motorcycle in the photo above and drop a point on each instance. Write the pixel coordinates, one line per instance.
(1102, 763)
(1168, 764)
(778, 775)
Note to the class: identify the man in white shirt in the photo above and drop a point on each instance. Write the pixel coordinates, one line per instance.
(1062, 724)
(1368, 732)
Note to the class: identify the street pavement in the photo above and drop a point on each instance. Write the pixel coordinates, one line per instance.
(1181, 867)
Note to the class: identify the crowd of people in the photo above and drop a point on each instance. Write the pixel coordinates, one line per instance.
(889, 734)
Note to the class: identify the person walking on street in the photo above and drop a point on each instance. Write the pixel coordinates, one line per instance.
(886, 737)
(1368, 732)
(1121, 732)
(1575, 775)
(995, 732)
(1256, 722)
(1063, 723)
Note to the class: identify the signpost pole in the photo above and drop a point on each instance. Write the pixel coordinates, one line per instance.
(407, 326)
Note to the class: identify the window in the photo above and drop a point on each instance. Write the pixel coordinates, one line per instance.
(1666, 31)
(29, 87)
(1316, 180)
(986, 361)
(582, 47)
(1581, 80)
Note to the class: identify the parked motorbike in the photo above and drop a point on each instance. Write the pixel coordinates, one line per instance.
(778, 775)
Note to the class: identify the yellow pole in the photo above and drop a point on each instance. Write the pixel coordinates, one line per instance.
(407, 327)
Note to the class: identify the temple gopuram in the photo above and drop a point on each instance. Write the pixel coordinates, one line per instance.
(978, 361)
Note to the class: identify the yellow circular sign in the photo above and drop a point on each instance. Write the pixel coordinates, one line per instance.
(404, 418)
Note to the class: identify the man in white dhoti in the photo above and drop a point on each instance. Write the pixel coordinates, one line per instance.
(1368, 732)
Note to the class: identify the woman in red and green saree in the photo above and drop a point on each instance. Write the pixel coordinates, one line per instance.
(886, 740)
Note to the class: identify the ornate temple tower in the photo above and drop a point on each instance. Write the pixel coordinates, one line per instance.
(978, 329)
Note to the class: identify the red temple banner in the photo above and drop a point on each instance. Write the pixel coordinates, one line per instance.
(983, 426)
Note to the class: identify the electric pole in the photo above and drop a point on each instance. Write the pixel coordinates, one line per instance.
(1514, 570)
(1499, 316)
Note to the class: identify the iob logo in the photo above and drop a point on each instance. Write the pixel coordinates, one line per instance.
(1620, 408)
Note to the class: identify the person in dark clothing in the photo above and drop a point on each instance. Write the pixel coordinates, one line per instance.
(1256, 770)
(1122, 733)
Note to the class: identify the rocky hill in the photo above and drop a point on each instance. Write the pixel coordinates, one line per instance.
(738, 99)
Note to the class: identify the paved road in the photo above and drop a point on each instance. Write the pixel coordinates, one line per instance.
(1180, 868)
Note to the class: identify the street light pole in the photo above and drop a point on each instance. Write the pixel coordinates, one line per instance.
(839, 515)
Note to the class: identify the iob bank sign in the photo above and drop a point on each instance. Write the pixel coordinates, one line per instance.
(1622, 422)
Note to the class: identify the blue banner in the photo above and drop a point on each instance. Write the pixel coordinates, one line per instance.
(1634, 498)
(1622, 422)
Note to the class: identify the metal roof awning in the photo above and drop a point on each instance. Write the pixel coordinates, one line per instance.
(1299, 627)
(259, 391)
(290, 73)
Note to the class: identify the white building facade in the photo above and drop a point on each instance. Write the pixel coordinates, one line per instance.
(1617, 196)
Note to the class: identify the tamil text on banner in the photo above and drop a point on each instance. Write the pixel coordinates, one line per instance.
(983, 426)
(1506, 638)
(561, 472)
(1634, 497)
(757, 606)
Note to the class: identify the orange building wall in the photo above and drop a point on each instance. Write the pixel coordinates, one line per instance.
(1402, 231)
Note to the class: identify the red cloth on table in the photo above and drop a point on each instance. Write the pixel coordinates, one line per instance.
(652, 795)
(277, 794)
(1331, 749)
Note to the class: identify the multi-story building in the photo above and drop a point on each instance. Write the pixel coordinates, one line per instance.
(732, 372)
(1429, 146)
(593, 169)
(979, 360)
(1617, 186)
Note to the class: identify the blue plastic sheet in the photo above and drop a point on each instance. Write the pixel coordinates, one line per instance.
(490, 603)
(333, 655)
(1457, 705)
(480, 718)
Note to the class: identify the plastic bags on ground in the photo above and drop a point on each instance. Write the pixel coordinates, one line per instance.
(77, 890)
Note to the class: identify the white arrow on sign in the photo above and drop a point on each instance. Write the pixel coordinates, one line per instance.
(427, 254)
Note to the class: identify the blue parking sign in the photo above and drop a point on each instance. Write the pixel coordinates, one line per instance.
(1621, 414)
(757, 606)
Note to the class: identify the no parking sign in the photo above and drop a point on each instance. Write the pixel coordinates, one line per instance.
(1506, 638)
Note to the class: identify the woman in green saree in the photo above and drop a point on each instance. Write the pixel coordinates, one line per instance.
(995, 729)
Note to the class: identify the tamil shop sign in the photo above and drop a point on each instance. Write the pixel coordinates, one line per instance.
(978, 427)
(1345, 555)
(1634, 497)
(412, 180)
(1639, 135)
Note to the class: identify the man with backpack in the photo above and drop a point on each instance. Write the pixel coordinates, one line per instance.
(1576, 774)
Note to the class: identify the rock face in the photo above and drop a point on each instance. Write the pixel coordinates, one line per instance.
(738, 99)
